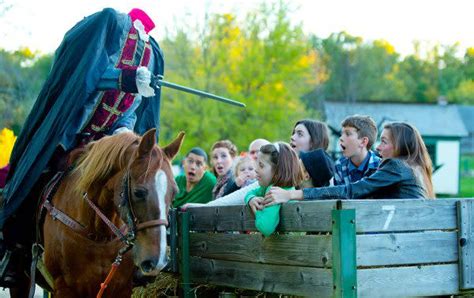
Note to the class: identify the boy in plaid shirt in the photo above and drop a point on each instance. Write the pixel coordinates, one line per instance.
(358, 135)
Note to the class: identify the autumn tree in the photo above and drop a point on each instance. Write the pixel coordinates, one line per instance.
(264, 61)
(22, 74)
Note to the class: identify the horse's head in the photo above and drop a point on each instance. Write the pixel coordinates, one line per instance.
(130, 179)
(143, 197)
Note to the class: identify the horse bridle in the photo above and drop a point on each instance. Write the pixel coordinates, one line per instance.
(132, 220)
(133, 225)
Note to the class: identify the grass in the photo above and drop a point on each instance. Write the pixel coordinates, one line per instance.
(467, 177)
(467, 187)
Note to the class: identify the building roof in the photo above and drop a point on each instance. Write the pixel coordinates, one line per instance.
(430, 119)
(467, 115)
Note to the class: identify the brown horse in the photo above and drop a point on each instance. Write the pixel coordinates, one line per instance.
(129, 179)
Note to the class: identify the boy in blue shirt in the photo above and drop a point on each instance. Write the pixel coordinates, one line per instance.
(357, 137)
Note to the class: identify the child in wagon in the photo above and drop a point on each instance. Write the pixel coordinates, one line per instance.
(244, 175)
(277, 165)
(405, 173)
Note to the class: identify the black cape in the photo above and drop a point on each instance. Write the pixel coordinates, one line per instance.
(79, 63)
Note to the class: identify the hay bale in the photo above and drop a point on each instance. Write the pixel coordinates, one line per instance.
(165, 285)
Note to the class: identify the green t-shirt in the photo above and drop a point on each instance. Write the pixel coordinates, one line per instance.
(266, 220)
(201, 192)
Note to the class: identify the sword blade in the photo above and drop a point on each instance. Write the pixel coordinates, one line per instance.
(164, 83)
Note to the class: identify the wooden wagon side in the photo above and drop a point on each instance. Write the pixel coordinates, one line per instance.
(333, 248)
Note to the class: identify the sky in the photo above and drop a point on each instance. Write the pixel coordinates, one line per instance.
(41, 24)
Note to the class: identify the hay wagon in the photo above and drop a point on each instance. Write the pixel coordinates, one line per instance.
(367, 248)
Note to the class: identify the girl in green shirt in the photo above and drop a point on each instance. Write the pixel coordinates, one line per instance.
(277, 165)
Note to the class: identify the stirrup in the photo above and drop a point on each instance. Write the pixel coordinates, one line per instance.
(4, 262)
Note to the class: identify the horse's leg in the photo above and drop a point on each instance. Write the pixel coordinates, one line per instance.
(22, 290)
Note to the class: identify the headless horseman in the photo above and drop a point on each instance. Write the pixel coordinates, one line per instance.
(99, 85)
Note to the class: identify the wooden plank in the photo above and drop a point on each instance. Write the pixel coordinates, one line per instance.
(307, 216)
(295, 250)
(317, 282)
(403, 215)
(228, 218)
(466, 244)
(295, 217)
(408, 281)
(304, 281)
(407, 248)
(316, 250)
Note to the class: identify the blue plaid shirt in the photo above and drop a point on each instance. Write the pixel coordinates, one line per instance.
(346, 172)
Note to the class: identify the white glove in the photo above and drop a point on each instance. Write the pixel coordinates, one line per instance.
(120, 130)
(143, 82)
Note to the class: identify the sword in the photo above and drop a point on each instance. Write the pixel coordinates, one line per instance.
(157, 81)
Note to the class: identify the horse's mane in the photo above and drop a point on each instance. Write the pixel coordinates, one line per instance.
(101, 158)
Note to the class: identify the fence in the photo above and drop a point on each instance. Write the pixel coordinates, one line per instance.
(331, 248)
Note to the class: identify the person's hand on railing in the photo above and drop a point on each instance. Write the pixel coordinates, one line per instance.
(255, 204)
(187, 205)
(277, 195)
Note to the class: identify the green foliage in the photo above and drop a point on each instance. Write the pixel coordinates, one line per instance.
(374, 71)
(464, 93)
(267, 64)
(21, 75)
(359, 71)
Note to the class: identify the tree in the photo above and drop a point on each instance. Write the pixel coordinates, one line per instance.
(22, 74)
(357, 70)
(338, 56)
(267, 64)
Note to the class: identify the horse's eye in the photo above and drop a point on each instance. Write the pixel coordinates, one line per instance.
(140, 193)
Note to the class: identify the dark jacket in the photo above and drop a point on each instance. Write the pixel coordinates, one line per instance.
(394, 179)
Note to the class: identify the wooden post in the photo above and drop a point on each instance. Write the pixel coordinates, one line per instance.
(184, 264)
(344, 253)
(466, 244)
(174, 240)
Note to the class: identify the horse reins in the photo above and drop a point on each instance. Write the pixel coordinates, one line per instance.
(133, 226)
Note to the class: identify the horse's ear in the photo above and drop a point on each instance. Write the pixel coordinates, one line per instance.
(173, 148)
(147, 142)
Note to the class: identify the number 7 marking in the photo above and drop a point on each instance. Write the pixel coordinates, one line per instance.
(391, 212)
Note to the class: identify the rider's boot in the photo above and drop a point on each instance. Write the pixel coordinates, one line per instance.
(14, 259)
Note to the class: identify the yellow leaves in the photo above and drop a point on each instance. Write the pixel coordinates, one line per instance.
(267, 65)
(307, 60)
(470, 52)
(26, 52)
(381, 43)
(279, 86)
(463, 93)
(7, 140)
(235, 54)
(228, 17)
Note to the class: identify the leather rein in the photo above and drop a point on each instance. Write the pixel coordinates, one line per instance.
(132, 226)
